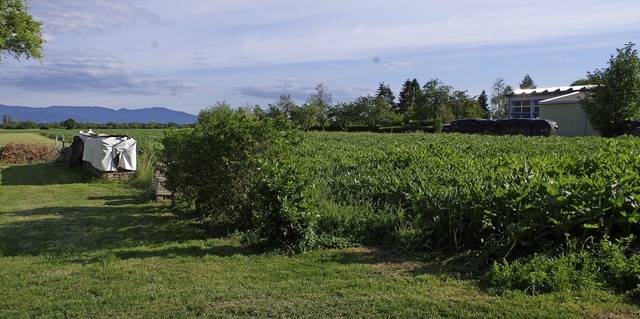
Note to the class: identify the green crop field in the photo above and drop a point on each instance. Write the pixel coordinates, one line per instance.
(72, 246)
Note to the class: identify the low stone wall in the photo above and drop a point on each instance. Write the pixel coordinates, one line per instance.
(120, 174)
(526, 127)
(162, 193)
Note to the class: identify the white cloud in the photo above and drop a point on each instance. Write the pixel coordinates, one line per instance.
(149, 47)
(301, 89)
(89, 70)
(244, 32)
(90, 16)
(396, 65)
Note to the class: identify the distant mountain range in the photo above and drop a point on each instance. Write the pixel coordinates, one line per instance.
(95, 114)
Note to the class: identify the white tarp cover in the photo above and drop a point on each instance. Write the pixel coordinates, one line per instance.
(108, 153)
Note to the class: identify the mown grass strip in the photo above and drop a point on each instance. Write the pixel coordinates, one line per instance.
(25, 137)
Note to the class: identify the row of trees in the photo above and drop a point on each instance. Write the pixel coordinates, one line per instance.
(418, 105)
(70, 124)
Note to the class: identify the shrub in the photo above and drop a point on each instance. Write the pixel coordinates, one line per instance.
(612, 265)
(234, 168)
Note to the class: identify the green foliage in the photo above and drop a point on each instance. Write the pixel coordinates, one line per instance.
(546, 217)
(610, 265)
(544, 274)
(365, 111)
(499, 102)
(483, 101)
(616, 97)
(583, 81)
(235, 168)
(283, 214)
(384, 91)
(433, 99)
(527, 83)
(409, 96)
(20, 34)
(498, 194)
(462, 106)
(70, 124)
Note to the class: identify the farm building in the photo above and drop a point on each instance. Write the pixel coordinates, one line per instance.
(559, 104)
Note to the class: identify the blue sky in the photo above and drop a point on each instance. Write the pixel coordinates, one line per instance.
(189, 54)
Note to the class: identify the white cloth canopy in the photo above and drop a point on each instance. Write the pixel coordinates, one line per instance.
(108, 153)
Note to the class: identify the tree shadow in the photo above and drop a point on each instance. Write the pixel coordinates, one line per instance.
(412, 264)
(78, 233)
(120, 200)
(43, 174)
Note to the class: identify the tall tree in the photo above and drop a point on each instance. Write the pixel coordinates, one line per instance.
(384, 91)
(463, 106)
(346, 114)
(616, 97)
(527, 83)
(409, 95)
(483, 101)
(374, 110)
(499, 102)
(434, 98)
(285, 106)
(20, 34)
(321, 102)
(306, 116)
(69, 124)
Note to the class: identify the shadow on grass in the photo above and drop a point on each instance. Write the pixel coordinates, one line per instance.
(458, 266)
(43, 174)
(141, 231)
(119, 200)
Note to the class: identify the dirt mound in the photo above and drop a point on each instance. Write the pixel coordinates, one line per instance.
(15, 153)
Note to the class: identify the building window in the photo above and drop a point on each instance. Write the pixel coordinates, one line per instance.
(524, 109)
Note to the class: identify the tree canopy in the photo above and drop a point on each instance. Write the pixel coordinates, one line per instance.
(20, 34)
(384, 91)
(499, 102)
(527, 83)
(483, 101)
(615, 99)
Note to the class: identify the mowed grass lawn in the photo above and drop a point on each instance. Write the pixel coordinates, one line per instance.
(75, 247)
(25, 137)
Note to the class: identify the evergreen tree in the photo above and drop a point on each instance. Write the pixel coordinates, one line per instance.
(384, 91)
(409, 95)
(527, 83)
(483, 101)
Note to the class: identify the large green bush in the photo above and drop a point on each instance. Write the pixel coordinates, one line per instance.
(235, 169)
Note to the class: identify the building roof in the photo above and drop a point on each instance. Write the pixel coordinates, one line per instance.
(573, 97)
(559, 90)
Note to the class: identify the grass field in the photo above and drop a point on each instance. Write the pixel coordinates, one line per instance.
(75, 247)
(24, 137)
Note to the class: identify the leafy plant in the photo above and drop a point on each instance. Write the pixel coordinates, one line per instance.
(234, 168)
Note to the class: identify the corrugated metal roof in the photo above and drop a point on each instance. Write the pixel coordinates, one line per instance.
(560, 89)
(564, 99)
